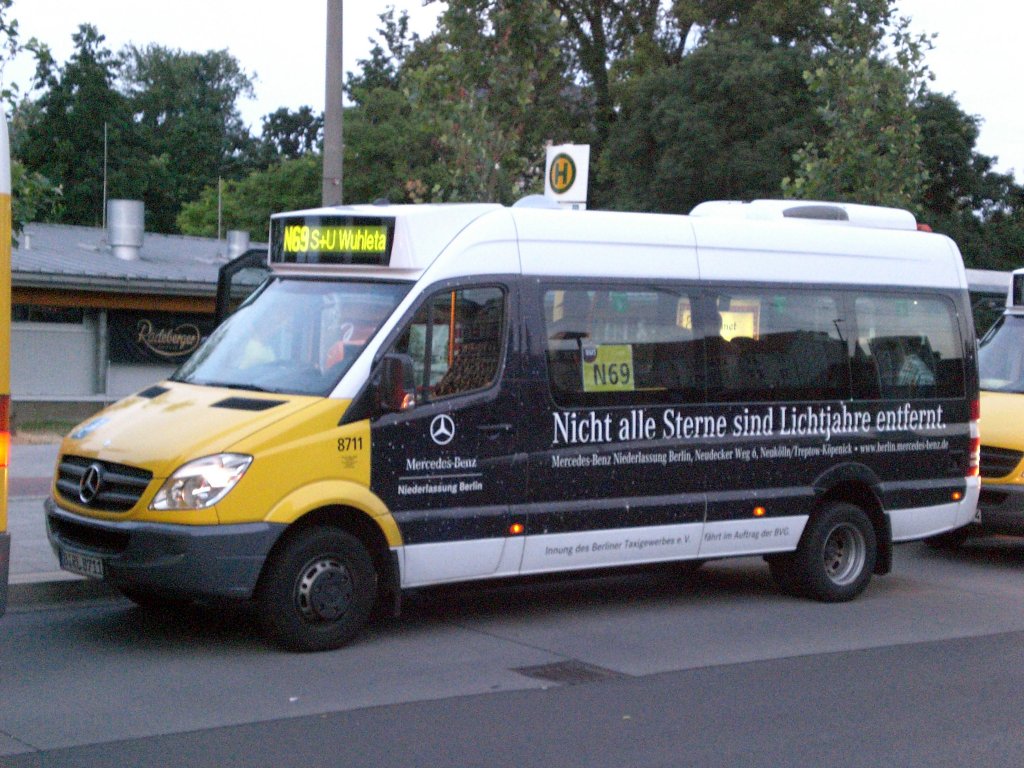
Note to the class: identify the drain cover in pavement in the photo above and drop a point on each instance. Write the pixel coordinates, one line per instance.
(570, 672)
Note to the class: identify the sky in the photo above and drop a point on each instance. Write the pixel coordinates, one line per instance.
(282, 45)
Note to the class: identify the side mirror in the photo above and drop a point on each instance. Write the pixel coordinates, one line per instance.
(396, 389)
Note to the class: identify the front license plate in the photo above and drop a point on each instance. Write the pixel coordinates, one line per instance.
(84, 565)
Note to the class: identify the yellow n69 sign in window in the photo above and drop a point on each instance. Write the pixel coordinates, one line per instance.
(608, 368)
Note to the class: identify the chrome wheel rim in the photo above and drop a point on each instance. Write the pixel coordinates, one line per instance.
(845, 553)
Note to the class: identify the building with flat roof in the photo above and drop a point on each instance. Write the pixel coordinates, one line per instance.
(98, 315)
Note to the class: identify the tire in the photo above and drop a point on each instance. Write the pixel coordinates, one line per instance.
(317, 591)
(836, 555)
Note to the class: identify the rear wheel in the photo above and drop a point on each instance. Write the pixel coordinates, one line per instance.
(836, 555)
(318, 590)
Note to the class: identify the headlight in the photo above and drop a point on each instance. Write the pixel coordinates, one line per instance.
(201, 483)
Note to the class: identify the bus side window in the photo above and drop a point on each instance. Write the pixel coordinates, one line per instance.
(568, 327)
(610, 346)
(907, 347)
(779, 345)
(455, 342)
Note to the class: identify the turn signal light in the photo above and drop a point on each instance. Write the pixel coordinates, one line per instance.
(760, 511)
(974, 458)
(516, 528)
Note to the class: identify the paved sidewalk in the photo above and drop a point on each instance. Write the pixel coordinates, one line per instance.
(36, 578)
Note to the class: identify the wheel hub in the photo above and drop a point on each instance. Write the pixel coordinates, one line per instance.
(324, 590)
(845, 553)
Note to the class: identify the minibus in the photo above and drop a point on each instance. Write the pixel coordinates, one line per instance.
(420, 395)
(1001, 366)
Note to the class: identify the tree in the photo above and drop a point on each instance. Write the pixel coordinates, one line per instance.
(867, 84)
(32, 194)
(185, 106)
(289, 135)
(384, 67)
(63, 139)
(615, 44)
(168, 119)
(964, 197)
(391, 150)
(11, 45)
(246, 204)
(494, 84)
(33, 197)
(723, 123)
(609, 37)
(808, 24)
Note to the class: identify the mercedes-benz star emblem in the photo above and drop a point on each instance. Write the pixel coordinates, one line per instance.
(91, 482)
(442, 429)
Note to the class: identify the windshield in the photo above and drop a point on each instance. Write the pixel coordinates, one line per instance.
(1001, 356)
(295, 336)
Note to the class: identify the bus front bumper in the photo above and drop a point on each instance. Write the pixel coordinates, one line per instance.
(220, 561)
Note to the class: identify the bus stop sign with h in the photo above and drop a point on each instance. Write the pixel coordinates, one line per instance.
(567, 175)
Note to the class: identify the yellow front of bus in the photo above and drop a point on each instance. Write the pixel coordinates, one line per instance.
(1001, 369)
(182, 490)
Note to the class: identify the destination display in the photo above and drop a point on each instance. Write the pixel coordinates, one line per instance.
(332, 240)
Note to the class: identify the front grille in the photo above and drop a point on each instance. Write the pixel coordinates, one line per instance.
(118, 487)
(998, 462)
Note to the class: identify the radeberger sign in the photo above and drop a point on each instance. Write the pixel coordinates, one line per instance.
(155, 337)
(167, 342)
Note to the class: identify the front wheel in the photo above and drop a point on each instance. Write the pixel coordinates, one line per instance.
(836, 555)
(318, 590)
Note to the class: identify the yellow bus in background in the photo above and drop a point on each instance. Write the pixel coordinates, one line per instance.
(5, 356)
(1001, 369)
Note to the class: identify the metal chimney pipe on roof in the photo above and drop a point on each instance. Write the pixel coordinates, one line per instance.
(125, 228)
(238, 242)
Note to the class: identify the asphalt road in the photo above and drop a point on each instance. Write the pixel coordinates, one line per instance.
(639, 669)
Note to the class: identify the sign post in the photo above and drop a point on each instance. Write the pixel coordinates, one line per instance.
(567, 175)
